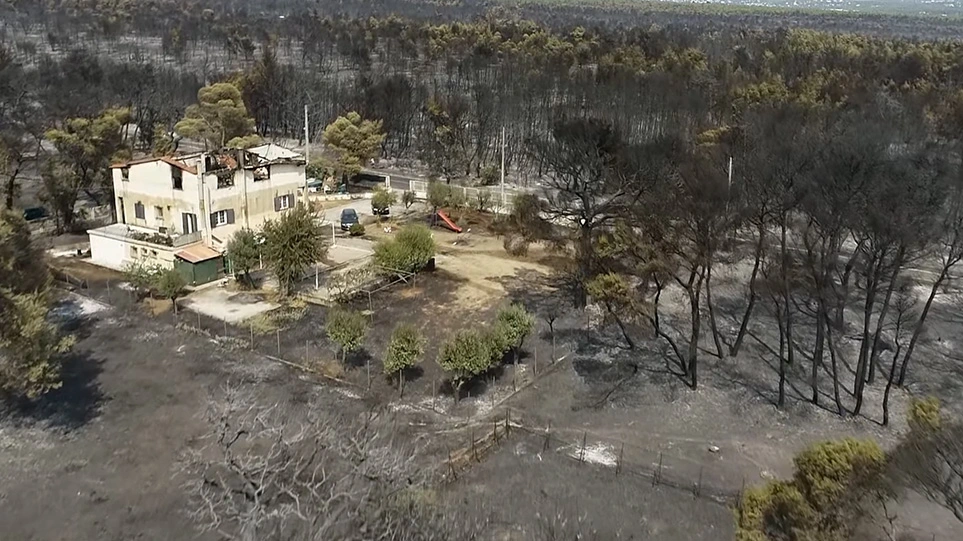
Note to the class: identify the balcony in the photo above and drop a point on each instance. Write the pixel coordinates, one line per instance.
(187, 238)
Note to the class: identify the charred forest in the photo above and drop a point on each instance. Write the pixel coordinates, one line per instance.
(662, 148)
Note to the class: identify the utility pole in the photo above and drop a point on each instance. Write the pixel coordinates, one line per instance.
(501, 203)
(307, 155)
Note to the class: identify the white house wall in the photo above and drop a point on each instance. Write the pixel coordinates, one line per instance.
(253, 201)
(151, 184)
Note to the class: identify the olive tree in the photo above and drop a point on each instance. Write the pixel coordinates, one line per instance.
(405, 348)
(515, 324)
(464, 356)
(170, 284)
(347, 328)
(408, 251)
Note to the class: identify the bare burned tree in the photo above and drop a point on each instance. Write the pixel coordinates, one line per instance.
(264, 473)
(949, 247)
(591, 181)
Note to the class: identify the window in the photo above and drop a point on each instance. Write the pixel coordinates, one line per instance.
(133, 251)
(222, 217)
(139, 210)
(284, 202)
(125, 173)
(177, 177)
(159, 213)
(262, 173)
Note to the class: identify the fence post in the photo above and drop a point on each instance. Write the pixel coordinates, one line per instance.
(494, 430)
(198, 321)
(305, 352)
(698, 489)
(108, 291)
(657, 476)
(474, 453)
(618, 465)
(225, 327)
(508, 421)
(252, 336)
(548, 436)
(451, 467)
(279, 342)
(581, 455)
(535, 362)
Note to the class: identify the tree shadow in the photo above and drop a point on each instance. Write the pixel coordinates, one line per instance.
(78, 401)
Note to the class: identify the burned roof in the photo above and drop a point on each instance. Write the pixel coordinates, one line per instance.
(166, 159)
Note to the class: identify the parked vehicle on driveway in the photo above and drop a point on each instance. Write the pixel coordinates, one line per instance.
(349, 217)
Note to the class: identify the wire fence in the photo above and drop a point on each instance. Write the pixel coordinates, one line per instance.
(300, 347)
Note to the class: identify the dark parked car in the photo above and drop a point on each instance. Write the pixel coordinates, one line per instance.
(349, 217)
(34, 213)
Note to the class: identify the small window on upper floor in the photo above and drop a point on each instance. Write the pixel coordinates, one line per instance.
(125, 173)
(262, 173)
(139, 211)
(159, 213)
(177, 177)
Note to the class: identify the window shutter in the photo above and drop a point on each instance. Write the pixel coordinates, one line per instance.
(230, 216)
(277, 204)
(213, 220)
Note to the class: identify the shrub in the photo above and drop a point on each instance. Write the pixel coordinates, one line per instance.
(490, 175)
(833, 482)
(924, 414)
(346, 328)
(141, 275)
(408, 198)
(170, 283)
(409, 251)
(515, 245)
(293, 243)
(382, 200)
(404, 349)
(464, 356)
(515, 324)
(483, 200)
(356, 230)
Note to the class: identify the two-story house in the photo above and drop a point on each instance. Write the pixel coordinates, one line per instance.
(181, 211)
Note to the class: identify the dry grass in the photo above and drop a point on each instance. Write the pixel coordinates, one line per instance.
(291, 311)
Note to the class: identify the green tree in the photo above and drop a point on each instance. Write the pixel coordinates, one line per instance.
(381, 200)
(613, 292)
(163, 141)
(408, 251)
(85, 148)
(464, 356)
(219, 118)
(439, 195)
(405, 348)
(515, 324)
(292, 243)
(444, 146)
(836, 485)
(244, 252)
(355, 140)
(170, 284)
(347, 328)
(30, 345)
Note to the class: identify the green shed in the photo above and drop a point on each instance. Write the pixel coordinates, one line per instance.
(199, 264)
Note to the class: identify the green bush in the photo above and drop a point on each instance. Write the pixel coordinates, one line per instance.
(490, 175)
(515, 324)
(404, 349)
(356, 230)
(408, 251)
(408, 198)
(833, 483)
(439, 195)
(464, 356)
(170, 283)
(347, 328)
(382, 200)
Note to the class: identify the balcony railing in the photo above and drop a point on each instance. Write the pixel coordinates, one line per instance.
(189, 238)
